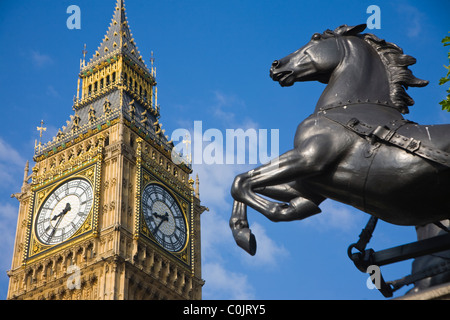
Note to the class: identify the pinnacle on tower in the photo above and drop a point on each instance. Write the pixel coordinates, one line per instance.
(114, 77)
(118, 39)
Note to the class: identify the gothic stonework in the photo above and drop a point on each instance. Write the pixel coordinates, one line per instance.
(82, 232)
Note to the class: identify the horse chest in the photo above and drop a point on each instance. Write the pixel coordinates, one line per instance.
(346, 179)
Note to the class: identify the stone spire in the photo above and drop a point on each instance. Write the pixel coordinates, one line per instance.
(118, 39)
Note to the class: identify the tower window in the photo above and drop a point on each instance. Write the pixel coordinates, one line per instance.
(101, 84)
(131, 141)
(114, 77)
(90, 90)
(95, 86)
(107, 80)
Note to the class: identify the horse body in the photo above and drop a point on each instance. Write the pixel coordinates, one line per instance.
(385, 181)
(366, 79)
(405, 189)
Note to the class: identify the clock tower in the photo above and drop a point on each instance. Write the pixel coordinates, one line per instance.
(109, 210)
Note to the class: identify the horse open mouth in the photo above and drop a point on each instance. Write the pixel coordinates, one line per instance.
(283, 77)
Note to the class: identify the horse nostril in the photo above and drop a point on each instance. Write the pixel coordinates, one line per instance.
(275, 63)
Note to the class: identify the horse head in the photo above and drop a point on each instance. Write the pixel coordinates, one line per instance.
(362, 58)
(314, 61)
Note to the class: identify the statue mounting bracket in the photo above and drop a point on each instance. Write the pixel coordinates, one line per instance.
(367, 257)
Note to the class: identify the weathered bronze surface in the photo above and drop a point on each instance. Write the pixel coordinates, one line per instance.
(356, 147)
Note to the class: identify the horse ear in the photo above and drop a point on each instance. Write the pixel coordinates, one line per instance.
(353, 31)
(346, 30)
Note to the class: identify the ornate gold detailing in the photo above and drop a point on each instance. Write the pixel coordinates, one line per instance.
(106, 107)
(28, 229)
(51, 274)
(83, 61)
(39, 194)
(64, 163)
(137, 214)
(149, 170)
(38, 147)
(75, 122)
(92, 117)
(192, 229)
(56, 146)
(97, 182)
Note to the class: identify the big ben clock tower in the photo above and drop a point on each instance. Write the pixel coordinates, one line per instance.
(106, 212)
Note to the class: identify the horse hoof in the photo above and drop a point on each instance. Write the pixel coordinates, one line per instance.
(246, 240)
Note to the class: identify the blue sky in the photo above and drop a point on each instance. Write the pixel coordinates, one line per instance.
(213, 60)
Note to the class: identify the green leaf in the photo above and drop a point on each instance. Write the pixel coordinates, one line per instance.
(445, 105)
(446, 41)
(446, 102)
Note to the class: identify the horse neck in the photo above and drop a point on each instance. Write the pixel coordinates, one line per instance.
(361, 75)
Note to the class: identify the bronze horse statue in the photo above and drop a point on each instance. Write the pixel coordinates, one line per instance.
(356, 147)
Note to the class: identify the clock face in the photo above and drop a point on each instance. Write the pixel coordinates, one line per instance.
(164, 217)
(64, 211)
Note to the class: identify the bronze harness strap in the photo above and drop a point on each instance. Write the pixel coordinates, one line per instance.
(390, 135)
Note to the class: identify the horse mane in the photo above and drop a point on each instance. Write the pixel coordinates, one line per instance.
(395, 61)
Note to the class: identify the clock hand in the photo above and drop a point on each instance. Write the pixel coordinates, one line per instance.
(157, 215)
(163, 219)
(60, 216)
(65, 210)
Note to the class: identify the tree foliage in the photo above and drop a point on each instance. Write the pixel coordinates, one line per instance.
(446, 102)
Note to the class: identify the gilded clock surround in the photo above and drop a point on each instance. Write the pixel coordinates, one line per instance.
(184, 204)
(115, 140)
(36, 247)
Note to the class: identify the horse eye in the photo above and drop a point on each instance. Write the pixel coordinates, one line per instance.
(316, 36)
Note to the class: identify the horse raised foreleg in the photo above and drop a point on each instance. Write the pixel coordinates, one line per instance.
(289, 192)
(274, 180)
(239, 226)
(282, 171)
